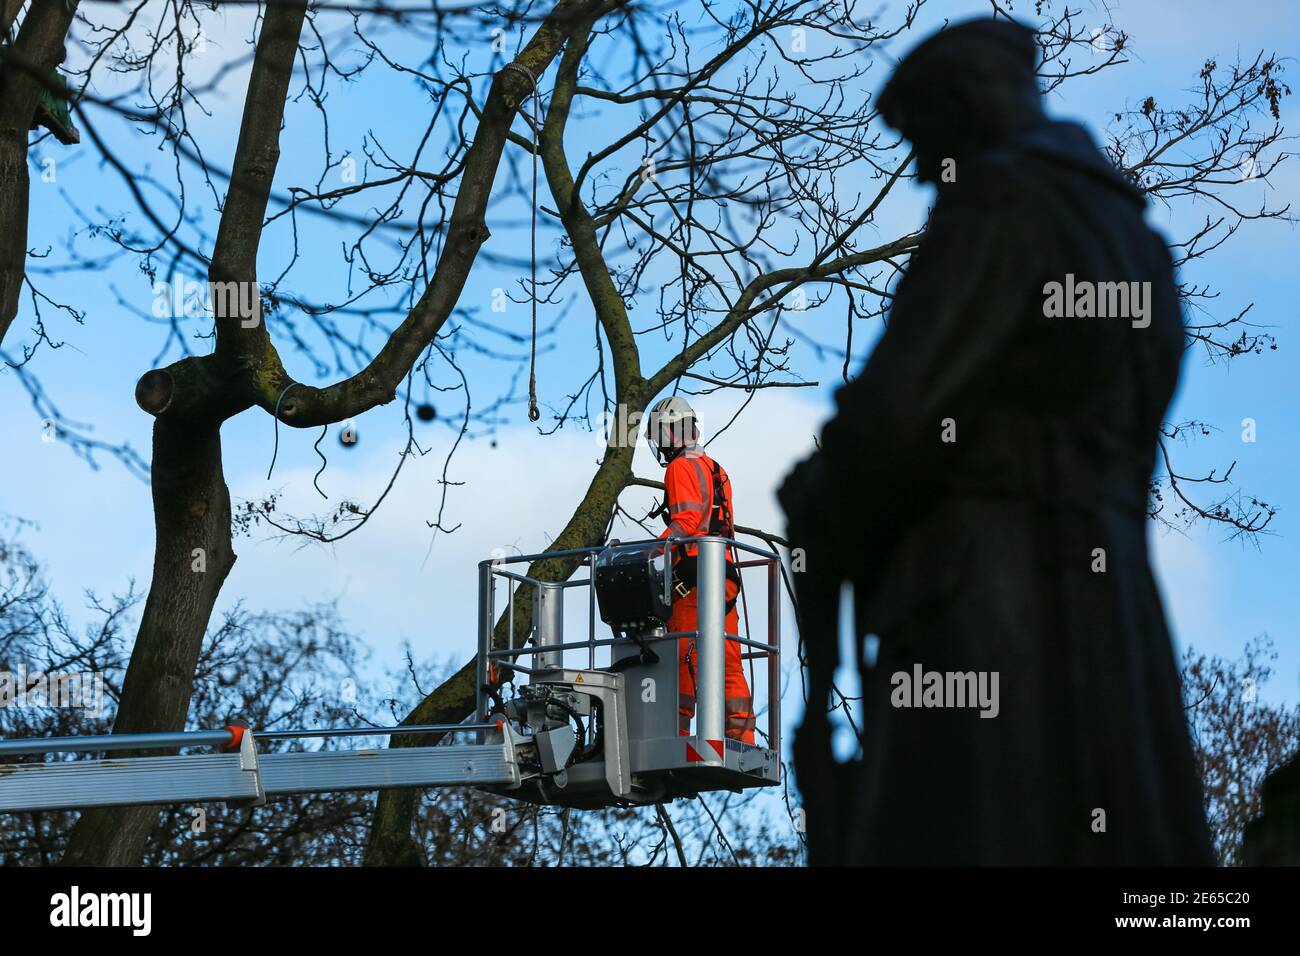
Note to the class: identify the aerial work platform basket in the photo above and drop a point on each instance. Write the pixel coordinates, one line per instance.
(581, 733)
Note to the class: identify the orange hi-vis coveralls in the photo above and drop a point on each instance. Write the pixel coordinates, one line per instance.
(689, 482)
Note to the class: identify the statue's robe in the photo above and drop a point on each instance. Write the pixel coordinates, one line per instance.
(1018, 546)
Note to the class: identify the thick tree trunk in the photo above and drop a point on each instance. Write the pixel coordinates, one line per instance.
(8, 14)
(37, 51)
(245, 369)
(190, 399)
(14, 186)
(192, 557)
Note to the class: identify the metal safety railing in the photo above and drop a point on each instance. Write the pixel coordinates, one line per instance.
(543, 645)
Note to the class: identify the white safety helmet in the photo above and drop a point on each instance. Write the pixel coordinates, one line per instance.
(672, 425)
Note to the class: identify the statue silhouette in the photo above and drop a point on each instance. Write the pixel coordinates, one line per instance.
(984, 486)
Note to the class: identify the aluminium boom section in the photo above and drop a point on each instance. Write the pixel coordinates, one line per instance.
(244, 775)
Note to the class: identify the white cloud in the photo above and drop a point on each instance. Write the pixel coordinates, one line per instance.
(1186, 576)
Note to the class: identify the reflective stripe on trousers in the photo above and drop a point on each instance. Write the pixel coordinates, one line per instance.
(739, 699)
(740, 717)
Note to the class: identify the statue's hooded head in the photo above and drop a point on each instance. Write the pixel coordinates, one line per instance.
(965, 89)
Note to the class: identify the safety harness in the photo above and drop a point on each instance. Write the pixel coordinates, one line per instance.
(721, 524)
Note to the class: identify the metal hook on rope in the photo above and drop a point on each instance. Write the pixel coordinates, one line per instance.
(533, 412)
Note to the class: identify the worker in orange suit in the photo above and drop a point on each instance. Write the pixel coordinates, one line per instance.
(698, 503)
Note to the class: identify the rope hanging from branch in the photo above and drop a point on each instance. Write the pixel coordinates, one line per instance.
(276, 417)
(533, 412)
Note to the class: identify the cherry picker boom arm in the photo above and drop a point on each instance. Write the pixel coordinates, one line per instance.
(571, 736)
(241, 775)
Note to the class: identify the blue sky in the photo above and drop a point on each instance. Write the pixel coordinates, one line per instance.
(398, 583)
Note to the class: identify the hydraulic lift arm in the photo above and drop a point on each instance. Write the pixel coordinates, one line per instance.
(242, 775)
(587, 737)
